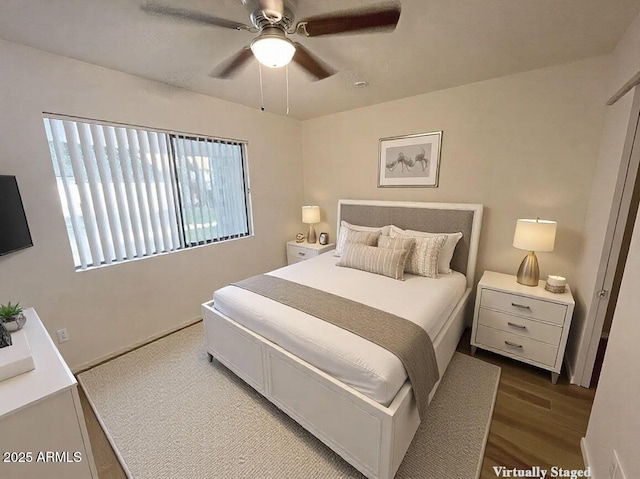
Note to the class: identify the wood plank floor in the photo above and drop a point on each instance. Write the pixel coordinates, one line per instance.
(535, 423)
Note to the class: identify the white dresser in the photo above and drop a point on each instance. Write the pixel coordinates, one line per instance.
(297, 252)
(42, 428)
(526, 323)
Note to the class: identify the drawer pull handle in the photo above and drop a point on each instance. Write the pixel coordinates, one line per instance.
(513, 345)
(521, 306)
(301, 253)
(514, 325)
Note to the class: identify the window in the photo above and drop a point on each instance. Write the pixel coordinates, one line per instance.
(128, 192)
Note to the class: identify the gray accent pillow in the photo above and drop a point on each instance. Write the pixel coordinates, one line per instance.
(396, 243)
(346, 227)
(369, 238)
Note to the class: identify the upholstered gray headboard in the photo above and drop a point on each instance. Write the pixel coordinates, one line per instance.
(431, 217)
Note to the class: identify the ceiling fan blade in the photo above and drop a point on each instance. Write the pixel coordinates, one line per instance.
(232, 66)
(381, 18)
(192, 16)
(311, 64)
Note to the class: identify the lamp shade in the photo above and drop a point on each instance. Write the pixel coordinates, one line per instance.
(311, 214)
(272, 48)
(535, 235)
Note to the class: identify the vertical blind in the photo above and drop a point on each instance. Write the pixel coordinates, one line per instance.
(130, 193)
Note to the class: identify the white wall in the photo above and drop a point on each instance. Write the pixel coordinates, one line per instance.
(626, 59)
(111, 308)
(615, 417)
(524, 145)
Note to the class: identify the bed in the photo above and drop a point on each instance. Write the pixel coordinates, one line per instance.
(353, 395)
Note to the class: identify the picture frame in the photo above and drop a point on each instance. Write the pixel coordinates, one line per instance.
(324, 238)
(410, 160)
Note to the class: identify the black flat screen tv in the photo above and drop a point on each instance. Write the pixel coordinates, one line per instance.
(14, 230)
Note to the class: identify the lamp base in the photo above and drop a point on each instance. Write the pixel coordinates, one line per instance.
(311, 236)
(529, 272)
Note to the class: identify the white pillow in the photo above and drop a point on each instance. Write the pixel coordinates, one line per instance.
(446, 253)
(345, 227)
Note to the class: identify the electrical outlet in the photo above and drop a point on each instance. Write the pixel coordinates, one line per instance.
(63, 335)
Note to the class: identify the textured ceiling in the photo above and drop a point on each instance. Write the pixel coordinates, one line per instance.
(438, 44)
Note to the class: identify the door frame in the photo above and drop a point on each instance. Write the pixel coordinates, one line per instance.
(619, 217)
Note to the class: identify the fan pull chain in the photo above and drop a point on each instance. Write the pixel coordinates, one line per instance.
(261, 88)
(286, 73)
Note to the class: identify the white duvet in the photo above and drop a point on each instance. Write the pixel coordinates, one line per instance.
(370, 369)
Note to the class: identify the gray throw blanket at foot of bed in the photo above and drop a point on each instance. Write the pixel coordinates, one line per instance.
(408, 341)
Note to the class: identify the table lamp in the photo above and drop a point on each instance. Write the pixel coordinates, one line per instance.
(311, 216)
(533, 235)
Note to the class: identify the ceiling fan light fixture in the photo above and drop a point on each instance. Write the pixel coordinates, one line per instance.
(272, 48)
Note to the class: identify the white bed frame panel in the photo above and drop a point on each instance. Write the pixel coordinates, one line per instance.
(369, 436)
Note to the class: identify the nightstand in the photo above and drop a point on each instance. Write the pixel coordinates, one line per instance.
(526, 323)
(297, 252)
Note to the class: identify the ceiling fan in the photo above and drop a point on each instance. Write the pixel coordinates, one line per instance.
(274, 21)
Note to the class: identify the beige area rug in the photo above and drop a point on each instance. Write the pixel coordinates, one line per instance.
(169, 413)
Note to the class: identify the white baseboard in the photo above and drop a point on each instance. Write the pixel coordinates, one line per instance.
(586, 457)
(131, 347)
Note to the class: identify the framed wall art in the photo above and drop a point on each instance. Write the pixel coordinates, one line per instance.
(410, 161)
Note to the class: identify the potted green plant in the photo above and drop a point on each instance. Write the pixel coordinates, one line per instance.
(11, 316)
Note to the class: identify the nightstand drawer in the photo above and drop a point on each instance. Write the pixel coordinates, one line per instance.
(517, 345)
(547, 333)
(523, 306)
(300, 253)
(297, 252)
(295, 259)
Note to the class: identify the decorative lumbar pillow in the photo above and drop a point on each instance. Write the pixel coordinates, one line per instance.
(346, 227)
(444, 261)
(385, 261)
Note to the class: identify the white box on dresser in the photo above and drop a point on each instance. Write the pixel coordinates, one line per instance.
(297, 252)
(42, 428)
(16, 359)
(526, 323)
